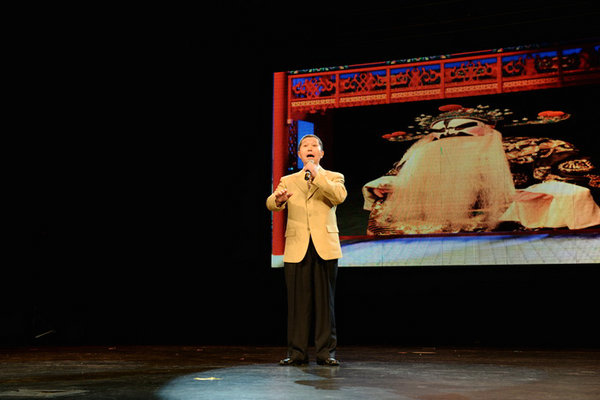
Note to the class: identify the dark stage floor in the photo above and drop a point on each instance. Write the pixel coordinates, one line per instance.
(237, 373)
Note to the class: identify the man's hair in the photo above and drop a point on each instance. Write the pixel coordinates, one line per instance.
(313, 136)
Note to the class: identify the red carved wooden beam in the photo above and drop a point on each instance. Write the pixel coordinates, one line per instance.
(450, 76)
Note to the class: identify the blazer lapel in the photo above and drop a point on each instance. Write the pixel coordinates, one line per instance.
(314, 188)
(311, 191)
(301, 183)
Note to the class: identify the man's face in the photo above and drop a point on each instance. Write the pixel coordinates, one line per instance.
(310, 150)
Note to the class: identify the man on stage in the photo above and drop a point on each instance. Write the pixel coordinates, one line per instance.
(312, 249)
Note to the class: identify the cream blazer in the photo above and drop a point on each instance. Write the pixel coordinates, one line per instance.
(311, 213)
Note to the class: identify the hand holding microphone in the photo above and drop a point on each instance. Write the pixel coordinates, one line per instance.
(310, 170)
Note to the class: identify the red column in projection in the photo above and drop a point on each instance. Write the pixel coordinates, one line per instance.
(279, 153)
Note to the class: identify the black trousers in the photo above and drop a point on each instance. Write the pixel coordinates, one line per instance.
(311, 292)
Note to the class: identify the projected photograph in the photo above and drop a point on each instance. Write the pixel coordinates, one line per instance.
(489, 159)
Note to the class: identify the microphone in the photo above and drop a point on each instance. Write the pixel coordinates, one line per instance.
(307, 174)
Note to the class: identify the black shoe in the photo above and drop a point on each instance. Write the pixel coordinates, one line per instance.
(330, 362)
(292, 362)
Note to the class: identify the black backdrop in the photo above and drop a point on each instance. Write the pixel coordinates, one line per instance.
(145, 219)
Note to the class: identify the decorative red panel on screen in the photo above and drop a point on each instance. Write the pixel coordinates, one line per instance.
(488, 72)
